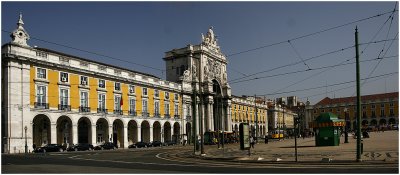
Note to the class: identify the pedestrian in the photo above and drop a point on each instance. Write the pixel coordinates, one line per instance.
(266, 139)
(252, 142)
(184, 140)
(34, 147)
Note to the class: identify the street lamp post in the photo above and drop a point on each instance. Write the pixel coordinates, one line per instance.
(346, 131)
(284, 123)
(26, 140)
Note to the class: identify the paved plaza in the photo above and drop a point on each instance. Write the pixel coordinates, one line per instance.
(381, 147)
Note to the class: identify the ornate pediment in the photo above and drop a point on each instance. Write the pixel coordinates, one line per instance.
(19, 35)
(210, 40)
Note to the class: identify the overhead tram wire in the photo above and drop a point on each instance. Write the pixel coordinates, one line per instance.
(311, 34)
(291, 64)
(298, 54)
(336, 84)
(300, 71)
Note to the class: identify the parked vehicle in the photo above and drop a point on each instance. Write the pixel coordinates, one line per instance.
(155, 143)
(139, 145)
(108, 145)
(81, 147)
(50, 148)
(168, 143)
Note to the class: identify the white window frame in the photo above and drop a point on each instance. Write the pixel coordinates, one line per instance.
(134, 104)
(115, 86)
(145, 107)
(60, 96)
(156, 107)
(82, 79)
(99, 80)
(144, 89)
(87, 98)
(176, 97)
(131, 89)
(103, 101)
(156, 93)
(176, 109)
(166, 109)
(45, 73)
(45, 95)
(61, 77)
(117, 103)
(166, 95)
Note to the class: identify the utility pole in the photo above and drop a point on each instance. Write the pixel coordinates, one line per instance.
(255, 116)
(358, 100)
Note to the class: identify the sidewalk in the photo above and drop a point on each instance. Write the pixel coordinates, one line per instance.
(382, 147)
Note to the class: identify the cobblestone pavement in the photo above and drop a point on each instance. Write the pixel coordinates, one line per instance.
(381, 147)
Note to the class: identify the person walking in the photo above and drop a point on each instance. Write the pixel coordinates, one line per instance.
(266, 139)
(252, 142)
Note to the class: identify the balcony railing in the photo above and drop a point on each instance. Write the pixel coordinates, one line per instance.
(102, 110)
(64, 107)
(176, 116)
(84, 109)
(157, 115)
(118, 111)
(145, 114)
(188, 117)
(41, 105)
(167, 115)
(133, 113)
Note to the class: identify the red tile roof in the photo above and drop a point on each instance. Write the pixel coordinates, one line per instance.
(327, 100)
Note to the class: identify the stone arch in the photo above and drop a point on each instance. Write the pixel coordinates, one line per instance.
(145, 131)
(64, 130)
(118, 133)
(373, 122)
(167, 132)
(132, 132)
(41, 133)
(392, 121)
(84, 130)
(156, 131)
(102, 135)
(176, 134)
(382, 122)
(217, 105)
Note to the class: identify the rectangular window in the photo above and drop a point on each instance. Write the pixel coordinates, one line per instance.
(382, 105)
(166, 95)
(132, 104)
(117, 103)
(382, 112)
(63, 77)
(391, 104)
(84, 80)
(166, 109)
(391, 112)
(145, 91)
(117, 86)
(176, 96)
(372, 106)
(84, 99)
(157, 108)
(102, 101)
(41, 95)
(373, 114)
(156, 93)
(41, 54)
(102, 83)
(176, 110)
(41, 73)
(131, 89)
(63, 97)
(144, 104)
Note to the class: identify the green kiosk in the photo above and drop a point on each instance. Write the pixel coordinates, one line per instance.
(327, 129)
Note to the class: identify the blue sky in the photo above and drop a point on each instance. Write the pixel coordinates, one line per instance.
(141, 32)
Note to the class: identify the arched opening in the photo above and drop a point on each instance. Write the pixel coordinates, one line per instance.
(364, 122)
(217, 106)
(145, 127)
(64, 131)
(176, 134)
(392, 121)
(373, 122)
(157, 131)
(132, 132)
(189, 132)
(118, 133)
(382, 122)
(41, 130)
(84, 130)
(102, 131)
(167, 132)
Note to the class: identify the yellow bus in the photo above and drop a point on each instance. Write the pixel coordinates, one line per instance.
(276, 134)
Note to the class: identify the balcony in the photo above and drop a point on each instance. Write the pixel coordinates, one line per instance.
(102, 110)
(84, 109)
(41, 105)
(64, 107)
(157, 115)
(133, 113)
(188, 118)
(118, 111)
(145, 114)
(176, 116)
(167, 116)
